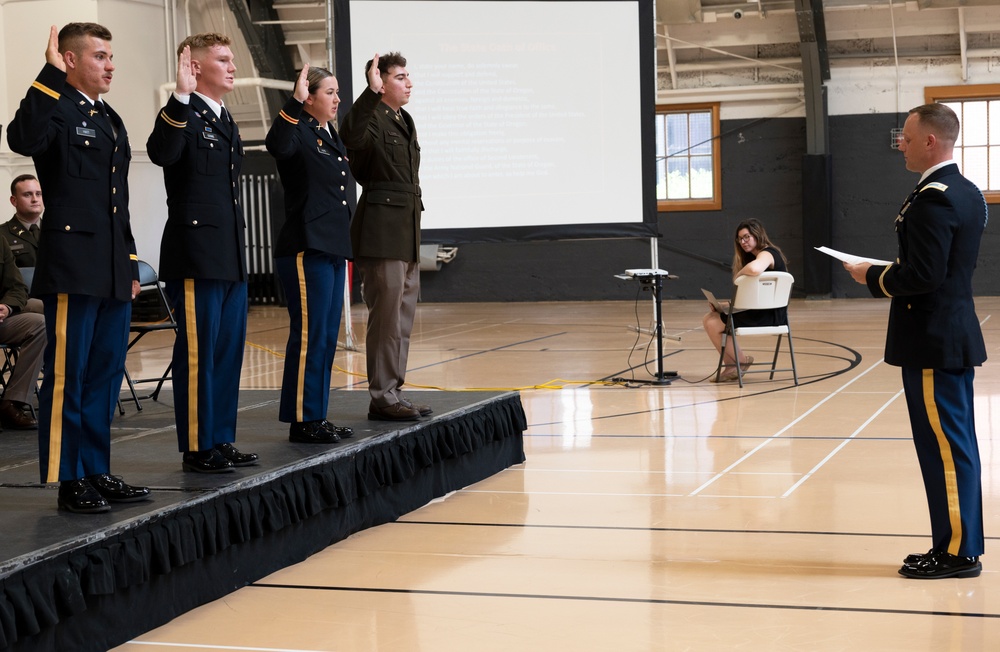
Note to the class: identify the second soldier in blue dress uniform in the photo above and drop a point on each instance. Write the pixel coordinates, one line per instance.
(203, 252)
(312, 250)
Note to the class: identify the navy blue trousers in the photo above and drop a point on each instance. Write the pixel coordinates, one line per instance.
(314, 287)
(940, 402)
(84, 366)
(208, 357)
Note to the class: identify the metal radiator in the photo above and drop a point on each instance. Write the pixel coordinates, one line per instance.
(263, 211)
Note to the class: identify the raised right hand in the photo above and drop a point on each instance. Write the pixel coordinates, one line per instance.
(301, 91)
(187, 81)
(374, 76)
(52, 54)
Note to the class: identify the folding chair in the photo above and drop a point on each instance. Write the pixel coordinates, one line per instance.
(8, 358)
(28, 275)
(768, 291)
(151, 313)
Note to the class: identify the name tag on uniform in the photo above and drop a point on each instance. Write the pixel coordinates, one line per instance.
(83, 131)
(16, 247)
(208, 135)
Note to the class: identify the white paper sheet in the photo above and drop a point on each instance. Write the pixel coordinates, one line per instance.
(851, 258)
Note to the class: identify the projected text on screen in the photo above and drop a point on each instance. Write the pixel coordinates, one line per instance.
(528, 113)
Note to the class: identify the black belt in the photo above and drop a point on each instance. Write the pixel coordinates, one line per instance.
(398, 186)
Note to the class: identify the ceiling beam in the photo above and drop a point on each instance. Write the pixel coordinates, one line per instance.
(815, 71)
(266, 43)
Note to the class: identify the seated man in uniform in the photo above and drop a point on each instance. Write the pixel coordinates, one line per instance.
(22, 231)
(26, 332)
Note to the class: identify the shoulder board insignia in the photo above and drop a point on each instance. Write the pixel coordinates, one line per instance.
(44, 89)
(936, 186)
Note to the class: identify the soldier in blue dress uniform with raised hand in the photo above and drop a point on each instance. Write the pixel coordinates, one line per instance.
(202, 257)
(87, 272)
(312, 250)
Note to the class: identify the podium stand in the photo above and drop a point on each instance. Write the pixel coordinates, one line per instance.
(652, 279)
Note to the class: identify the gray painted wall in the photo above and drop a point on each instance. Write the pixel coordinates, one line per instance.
(762, 163)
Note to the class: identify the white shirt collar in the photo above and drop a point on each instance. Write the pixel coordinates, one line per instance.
(212, 104)
(931, 169)
(87, 97)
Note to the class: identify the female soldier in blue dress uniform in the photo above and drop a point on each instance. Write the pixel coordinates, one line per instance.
(312, 250)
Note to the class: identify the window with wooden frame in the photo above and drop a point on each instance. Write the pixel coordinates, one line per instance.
(688, 165)
(978, 148)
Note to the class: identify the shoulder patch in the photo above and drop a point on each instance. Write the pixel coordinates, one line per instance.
(935, 185)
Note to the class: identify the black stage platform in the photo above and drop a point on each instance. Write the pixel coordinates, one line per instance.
(90, 582)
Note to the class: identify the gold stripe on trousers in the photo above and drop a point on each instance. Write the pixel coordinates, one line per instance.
(947, 461)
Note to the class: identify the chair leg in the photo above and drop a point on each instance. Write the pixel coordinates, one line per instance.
(131, 389)
(774, 361)
(10, 359)
(791, 352)
(722, 356)
(736, 356)
(159, 385)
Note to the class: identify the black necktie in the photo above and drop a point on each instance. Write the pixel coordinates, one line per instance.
(103, 111)
(227, 121)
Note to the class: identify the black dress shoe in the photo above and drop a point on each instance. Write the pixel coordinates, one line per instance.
(13, 417)
(424, 410)
(114, 489)
(210, 461)
(343, 432)
(938, 565)
(394, 412)
(234, 455)
(915, 557)
(312, 432)
(79, 497)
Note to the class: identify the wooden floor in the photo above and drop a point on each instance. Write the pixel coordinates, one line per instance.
(690, 517)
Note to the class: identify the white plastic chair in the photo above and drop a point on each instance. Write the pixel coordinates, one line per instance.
(768, 291)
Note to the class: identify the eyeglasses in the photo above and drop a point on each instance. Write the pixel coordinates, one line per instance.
(744, 238)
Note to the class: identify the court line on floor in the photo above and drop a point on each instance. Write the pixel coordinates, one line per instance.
(206, 646)
(686, 530)
(364, 380)
(805, 414)
(795, 421)
(836, 450)
(802, 383)
(614, 599)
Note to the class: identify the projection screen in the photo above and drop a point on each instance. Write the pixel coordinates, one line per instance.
(535, 117)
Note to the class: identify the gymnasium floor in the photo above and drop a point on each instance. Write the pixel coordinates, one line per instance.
(690, 517)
